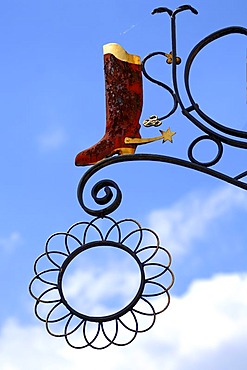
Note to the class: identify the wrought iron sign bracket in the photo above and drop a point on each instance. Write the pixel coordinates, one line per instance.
(123, 75)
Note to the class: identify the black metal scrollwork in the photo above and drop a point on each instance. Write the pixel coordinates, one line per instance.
(64, 320)
(213, 130)
(159, 83)
(107, 186)
(194, 106)
(79, 329)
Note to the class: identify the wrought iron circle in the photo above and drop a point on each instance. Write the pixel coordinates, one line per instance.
(204, 138)
(82, 249)
(120, 328)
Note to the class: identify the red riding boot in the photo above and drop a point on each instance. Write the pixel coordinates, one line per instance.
(124, 98)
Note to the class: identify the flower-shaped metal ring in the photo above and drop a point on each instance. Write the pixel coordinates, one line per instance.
(79, 328)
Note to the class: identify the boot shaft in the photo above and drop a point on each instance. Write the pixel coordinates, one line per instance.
(123, 90)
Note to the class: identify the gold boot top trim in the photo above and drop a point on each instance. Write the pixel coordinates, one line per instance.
(121, 54)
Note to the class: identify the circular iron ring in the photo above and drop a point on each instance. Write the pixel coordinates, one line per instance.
(82, 249)
(213, 161)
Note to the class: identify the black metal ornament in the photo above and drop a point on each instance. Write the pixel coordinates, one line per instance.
(81, 330)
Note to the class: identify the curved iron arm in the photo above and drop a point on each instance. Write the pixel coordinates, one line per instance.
(106, 184)
(229, 131)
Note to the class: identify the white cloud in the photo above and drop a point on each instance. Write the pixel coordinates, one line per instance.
(190, 218)
(215, 308)
(9, 243)
(52, 139)
(204, 329)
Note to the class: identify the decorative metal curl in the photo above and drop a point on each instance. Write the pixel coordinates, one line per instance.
(161, 84)
(195, 106)
(213, 130)
(105, 185)
(81, 330)
(193, 164)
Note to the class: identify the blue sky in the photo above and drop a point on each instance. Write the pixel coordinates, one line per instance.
(52, 107)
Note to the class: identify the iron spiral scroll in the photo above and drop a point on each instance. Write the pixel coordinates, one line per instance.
(81, 330)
